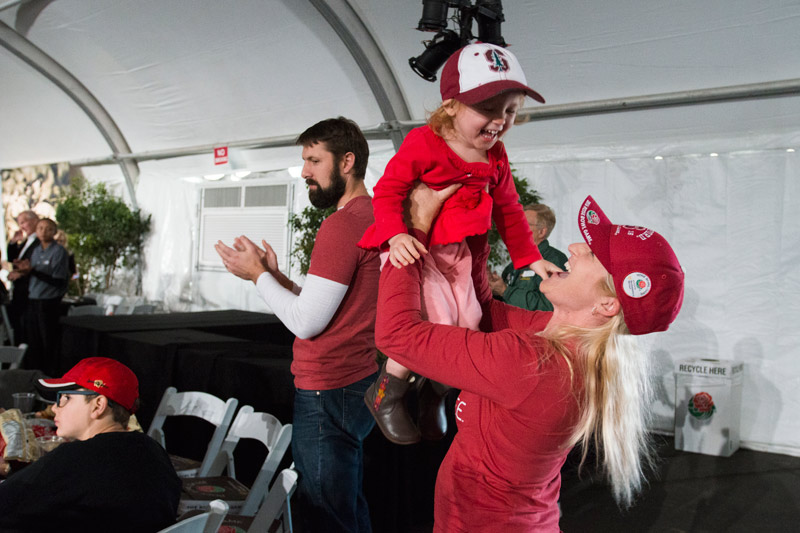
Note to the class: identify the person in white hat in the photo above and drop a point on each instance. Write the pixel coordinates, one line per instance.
(482, 88)
(539, 382)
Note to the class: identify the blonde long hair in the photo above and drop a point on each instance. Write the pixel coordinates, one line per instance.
(616, 398)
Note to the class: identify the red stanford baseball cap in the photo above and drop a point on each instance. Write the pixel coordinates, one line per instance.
(647, 275)
(105, 376)
(480, 71)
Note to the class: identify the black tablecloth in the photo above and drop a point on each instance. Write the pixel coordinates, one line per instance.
(84, 336)
(240, 321)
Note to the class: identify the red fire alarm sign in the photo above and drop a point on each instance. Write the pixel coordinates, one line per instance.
(221, 155)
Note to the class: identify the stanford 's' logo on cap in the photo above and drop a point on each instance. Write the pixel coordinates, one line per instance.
(497, 62)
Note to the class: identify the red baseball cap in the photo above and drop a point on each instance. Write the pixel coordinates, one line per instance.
(480, 71)
(105, 376)
(647, 275)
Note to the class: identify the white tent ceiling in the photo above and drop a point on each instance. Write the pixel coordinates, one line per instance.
(181, 76)
(185, 73)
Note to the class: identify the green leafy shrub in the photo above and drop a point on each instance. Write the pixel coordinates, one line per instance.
(103, 232)
(304, 226)
(498, 254)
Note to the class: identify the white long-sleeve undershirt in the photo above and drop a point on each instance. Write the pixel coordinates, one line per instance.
(307, 311)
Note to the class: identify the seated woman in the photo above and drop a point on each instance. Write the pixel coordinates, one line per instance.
(539, 382)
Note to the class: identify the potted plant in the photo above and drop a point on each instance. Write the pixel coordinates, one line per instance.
(104, 234)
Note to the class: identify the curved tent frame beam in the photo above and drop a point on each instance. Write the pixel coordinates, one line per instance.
(339, 14)
(752, 91)
(772, 89)
(373, 64)
(62, 78)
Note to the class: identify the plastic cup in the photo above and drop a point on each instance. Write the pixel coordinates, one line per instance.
(24, 401)
(48, 444)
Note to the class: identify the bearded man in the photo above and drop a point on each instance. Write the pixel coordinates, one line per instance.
(333, 319)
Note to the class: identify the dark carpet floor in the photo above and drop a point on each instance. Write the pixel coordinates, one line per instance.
(693, 493)
(747, 492)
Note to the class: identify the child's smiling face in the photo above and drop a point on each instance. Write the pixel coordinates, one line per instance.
(477, 128)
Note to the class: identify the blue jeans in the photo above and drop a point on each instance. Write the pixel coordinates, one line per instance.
(328, 431)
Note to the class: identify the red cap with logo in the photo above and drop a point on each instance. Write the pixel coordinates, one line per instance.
(480, 71)
(105, 376)
(647, 275)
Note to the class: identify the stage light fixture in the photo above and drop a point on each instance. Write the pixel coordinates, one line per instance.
(434, 15)
(489, 14)
(437, 51)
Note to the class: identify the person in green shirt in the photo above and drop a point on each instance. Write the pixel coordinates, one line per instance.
(520, 287)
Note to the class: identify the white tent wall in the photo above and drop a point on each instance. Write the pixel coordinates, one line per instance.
(731, 219)
(171, 276)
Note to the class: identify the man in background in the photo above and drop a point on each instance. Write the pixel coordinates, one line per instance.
(48, 270)
(20, 248)
(520, 287)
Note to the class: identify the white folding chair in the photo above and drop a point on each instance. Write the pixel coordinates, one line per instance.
(277, 505)
(83, 310)
(268, 430)
(208, 522)
(124, 309)
(12, 355)
(201, 405)
(7, 325)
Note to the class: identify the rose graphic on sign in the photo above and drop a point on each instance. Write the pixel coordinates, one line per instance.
(701, 406)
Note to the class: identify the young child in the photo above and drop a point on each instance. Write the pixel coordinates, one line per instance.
(482, 87)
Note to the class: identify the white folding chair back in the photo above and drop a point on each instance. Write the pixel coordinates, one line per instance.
(199, 404)
(217, 509)
(12, 355)
(7, 325)
(265, 428)
(277, 505)
(124, 309)
(82, 310)
(203, 523)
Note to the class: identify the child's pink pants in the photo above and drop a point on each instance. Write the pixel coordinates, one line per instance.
(448, 295)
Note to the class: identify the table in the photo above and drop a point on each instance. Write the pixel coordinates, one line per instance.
(85, 336)
(81, 335)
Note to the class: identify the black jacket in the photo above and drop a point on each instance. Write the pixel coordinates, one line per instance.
(121, 482)
(19, 290)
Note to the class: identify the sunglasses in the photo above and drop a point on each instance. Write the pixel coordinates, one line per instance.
(67, 393)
